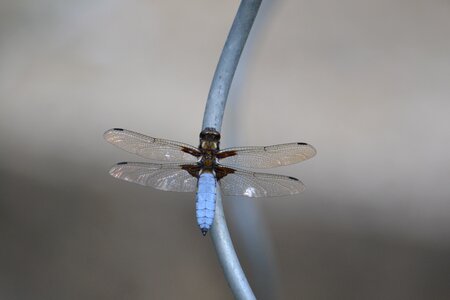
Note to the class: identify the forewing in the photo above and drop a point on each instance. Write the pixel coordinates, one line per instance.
(166, 177)
(154, 149)
(235, 182)
(266, 157)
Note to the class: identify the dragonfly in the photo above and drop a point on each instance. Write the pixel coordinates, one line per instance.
(179, 167)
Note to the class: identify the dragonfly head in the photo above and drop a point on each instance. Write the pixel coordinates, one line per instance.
(209, 139)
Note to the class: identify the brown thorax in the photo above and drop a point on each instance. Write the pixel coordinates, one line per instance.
(209, 146)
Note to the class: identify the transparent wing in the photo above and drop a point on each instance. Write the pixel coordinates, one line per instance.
(154, 149)
(244, 183)
(266, 157)
(166, 177)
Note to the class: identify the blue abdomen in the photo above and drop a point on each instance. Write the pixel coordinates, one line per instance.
(206, 201)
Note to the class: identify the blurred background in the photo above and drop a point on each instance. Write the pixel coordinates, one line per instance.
(366, 82)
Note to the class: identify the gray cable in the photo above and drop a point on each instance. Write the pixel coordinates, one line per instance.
(215, 107)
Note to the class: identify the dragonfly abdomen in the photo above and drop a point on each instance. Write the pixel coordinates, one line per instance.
(206, 201)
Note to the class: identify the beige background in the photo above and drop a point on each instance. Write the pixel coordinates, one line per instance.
(366, 82)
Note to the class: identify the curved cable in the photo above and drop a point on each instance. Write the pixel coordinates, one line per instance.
(214, 110)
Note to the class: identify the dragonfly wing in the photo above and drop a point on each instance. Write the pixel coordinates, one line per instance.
(166, 177)
(154, 149)
(244, 183)
(266, 157)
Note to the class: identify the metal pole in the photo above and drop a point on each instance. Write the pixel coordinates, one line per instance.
(215, 107)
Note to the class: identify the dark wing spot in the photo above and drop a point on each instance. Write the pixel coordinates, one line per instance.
(293, 178)
(122, 163)
(225, 154)
(304, 144)
(222, 171)
(193, 170)
(118, 129)
(191, 151)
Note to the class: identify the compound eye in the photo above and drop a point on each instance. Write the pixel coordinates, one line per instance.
(210, 134)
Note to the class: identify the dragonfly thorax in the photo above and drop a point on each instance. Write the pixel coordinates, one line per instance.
(209, 146)
(208, 159)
